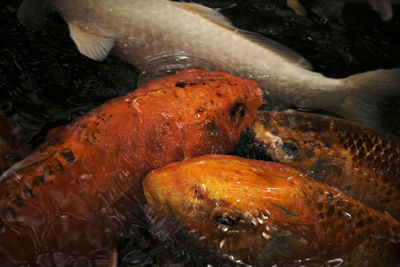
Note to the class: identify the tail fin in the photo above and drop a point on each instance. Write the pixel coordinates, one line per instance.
(368, 89)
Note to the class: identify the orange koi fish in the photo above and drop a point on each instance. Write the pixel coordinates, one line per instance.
(78, 194)
(360, 161)
(259, 213)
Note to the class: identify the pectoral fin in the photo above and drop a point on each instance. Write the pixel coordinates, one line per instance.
(89, 42)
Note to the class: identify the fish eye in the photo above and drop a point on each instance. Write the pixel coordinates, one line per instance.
(225, 220)
(290, 146)
(225, 216)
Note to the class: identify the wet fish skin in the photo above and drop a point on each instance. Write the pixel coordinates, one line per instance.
(79, 193)
(12, 147)
(360, 161)
(159, 36)
(264, 213)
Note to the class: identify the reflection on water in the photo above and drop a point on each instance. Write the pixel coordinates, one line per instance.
(45, 82)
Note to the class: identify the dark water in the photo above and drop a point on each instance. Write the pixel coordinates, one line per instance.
(45, 82)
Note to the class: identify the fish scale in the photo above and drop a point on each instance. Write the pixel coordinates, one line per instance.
(79, 192)
(363, 162)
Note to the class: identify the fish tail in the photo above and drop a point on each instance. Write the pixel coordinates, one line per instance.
(366, 90)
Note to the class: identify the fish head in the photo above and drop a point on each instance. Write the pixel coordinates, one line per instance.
(299, 139)
(234, 206)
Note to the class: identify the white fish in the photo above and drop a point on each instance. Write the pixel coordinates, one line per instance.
(158, 36)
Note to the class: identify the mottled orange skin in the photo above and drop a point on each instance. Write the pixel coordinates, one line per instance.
(360, 161)
(277, 215)
(12, 147)
(78, 194)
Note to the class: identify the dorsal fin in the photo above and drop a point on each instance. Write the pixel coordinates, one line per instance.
(289, 54)
(220, 19)
(205, 12)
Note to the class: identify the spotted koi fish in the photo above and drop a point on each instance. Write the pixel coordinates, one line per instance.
(259, 213)
(360, 161)
(79, 193)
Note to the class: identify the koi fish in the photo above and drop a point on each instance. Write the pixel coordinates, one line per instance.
(259, 213)
(160, 36)
(362, 162)
(12, 147)
(78, 194)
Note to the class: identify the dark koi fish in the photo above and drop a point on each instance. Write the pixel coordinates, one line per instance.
(360, 161)
(78, 194)
(259, 213)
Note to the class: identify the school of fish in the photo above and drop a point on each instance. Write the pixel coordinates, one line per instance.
(336, 201)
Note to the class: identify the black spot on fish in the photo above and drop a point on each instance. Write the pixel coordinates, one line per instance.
(238, 108)
(370, 220)
(18, 201)
(360, 224)
(181, 85)
(331, 211)
(285, 211)
(77, 181)
(67, 155)
(192, 84)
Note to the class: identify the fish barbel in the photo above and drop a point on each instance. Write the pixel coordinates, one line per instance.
(360, 161)
(78, 194)
(159, 36)
(260, 213)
